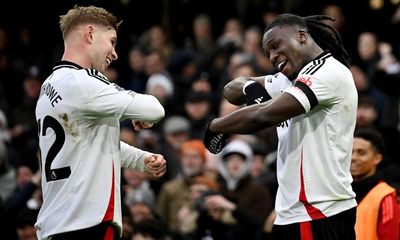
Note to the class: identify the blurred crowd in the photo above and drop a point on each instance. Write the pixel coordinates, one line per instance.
(184, 53)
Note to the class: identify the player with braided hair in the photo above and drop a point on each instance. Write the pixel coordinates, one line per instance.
(325, 36)
(312, 101)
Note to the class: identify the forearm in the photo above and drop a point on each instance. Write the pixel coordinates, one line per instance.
(256, 117)
(246, 120)
(132, 157)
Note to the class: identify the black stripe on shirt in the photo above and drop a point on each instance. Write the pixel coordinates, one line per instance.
(308, 92)
(326, 56)
(309, 68)
(316, 63)
(92, 73)
(317, 66)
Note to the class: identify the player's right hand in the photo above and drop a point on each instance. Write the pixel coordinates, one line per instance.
(214, 142)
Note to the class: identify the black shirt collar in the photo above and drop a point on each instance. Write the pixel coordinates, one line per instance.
(66, 64)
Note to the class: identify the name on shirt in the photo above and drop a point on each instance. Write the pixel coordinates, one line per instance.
(51, 93)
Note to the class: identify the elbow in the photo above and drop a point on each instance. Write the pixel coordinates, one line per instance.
(227, 92)
(161, 112)
(233, 93)
(155, 110)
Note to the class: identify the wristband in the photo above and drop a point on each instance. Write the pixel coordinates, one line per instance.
(247, 84)
(255, 93)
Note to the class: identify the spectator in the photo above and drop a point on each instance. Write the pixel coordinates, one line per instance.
(156, 63)
(366, 88)
(252, 44)
(161, 87)
(24, 125)
(136, 61)
(141, 204)
(203, 44)
(26, 219)
(262, 168)
(157, 39)
(174, 194)
(202, 83)
(150, 229)
(340, 24)
(190, 214)
(136, 185)
(367, 113)
(7, 175)
(142, 209)
(175, 131)
(242, 204)
(378, 213)
(128, 135)
(232, 36)
(198, 110)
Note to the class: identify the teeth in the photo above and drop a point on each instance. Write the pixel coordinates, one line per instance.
(280, 65)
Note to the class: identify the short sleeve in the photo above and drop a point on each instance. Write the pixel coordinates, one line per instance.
(275, 84)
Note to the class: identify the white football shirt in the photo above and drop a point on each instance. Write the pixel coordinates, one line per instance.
(78, 114)
(314, 150)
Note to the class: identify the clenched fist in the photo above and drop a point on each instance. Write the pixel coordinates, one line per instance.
(214, 142)
(156, 165)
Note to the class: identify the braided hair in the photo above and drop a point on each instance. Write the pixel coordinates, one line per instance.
(323, 34)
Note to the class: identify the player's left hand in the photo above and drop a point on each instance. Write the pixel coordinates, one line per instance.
(156, 165)
(139, 125)
(214, 142)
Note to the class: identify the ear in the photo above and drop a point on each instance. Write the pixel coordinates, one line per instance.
(378, 158)
(302, 36)
(89, 33)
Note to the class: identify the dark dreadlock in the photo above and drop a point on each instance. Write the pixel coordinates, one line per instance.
(323, 34)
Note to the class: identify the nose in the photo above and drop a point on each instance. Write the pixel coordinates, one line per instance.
(114, 54)
(353, 156)
(273, 57)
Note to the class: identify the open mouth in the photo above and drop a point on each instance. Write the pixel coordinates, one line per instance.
(282, 65)
(353, 167)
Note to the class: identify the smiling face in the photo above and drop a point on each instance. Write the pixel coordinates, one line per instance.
(286, 46)
(364, 160)
(104, 42)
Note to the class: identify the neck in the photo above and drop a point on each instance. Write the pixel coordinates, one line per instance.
(79, 59)
(315, 51)
(76, 52)
(360, 178)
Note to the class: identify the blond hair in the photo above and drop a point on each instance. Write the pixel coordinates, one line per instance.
(83, 15)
